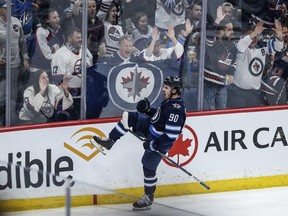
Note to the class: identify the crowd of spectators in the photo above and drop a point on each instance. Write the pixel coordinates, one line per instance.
(146, 31)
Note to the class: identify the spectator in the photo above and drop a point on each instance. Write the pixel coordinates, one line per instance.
(36, 9)
(22, 10)
(125, 54)
(95, 27)
(105, 6)
(131, 7)
(250, 63)
(194, 13)
(45, 102)
(264, 10)
(229, 9)
(142, 30)
(170, 13)
(60, 5)
(19, 61)
(274, 85)
(67, 19)
(220, 57)
(113, 31)
(76, 6)
(66, 65)
(95, 32)
(72, 16)
(231, 13)
(49, 38)
(156, 51)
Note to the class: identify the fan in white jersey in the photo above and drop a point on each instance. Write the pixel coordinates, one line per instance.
(155, 51)
(66, 64)
(250, 62)
(170, 12)
(113, 31)
(45, 102)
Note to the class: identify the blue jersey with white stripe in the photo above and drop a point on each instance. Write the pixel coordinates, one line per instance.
(167, 122)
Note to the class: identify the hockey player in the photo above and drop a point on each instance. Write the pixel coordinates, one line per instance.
(160, 127)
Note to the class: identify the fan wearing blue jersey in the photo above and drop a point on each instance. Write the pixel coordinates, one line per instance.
(160, 127)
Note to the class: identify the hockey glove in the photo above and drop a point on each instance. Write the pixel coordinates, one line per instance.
(150, 145)
(143, 106)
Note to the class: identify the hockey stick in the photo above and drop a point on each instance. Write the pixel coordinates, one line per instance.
(173, 162)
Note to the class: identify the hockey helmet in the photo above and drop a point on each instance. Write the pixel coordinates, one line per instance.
(174, 82)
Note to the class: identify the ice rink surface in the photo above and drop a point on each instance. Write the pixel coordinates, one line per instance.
(257, 202)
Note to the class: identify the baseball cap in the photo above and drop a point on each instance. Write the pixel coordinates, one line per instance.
(3, 3)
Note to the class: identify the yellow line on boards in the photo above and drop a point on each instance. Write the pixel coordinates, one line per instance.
(129, 195)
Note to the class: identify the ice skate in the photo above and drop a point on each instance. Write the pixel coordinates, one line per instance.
(100, 142)
(144, 202)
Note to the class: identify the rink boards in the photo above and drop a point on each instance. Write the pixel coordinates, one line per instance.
(228, 151)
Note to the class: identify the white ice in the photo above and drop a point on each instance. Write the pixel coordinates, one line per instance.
(256, 202)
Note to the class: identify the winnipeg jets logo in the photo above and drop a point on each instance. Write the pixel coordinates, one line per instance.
(129, 83)
(77, 67)
(114, 34)
(135, 83)
(256, 67)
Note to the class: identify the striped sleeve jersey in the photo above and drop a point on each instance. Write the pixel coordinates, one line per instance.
(168, 121)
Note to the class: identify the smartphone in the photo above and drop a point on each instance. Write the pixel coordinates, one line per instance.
(128, 23)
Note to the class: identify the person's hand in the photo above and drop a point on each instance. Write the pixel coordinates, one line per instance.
(188, 27)
(278, 30)
(229, 79)
(258, 29)
(220, 15)
(64, 85)
(170, 31)
(102, 50)
(143, 106)
(150, 145)
(155, 34)
(129, 26)
(26, 64)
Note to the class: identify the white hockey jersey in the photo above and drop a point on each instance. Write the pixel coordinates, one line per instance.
(170, 12)
(250, 62)
(68, 64)
(112, 36)
(45, 106)
(165, 53)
